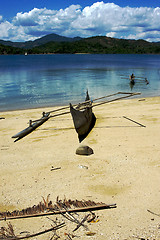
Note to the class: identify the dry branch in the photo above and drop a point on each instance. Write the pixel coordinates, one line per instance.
(153, 213)
(81, 223)
(69, 216)
(11, 237)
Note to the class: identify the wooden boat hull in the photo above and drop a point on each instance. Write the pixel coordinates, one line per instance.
(83, 121)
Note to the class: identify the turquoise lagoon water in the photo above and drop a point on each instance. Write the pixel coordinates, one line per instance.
(50, 80)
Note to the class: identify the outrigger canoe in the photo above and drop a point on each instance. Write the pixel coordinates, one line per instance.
(83, 117)
(32, 127)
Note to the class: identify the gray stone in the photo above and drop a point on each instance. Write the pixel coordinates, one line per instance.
(84, 150)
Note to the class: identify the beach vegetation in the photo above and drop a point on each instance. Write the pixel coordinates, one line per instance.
(5, 50)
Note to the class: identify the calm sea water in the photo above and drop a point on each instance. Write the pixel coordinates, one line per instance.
(51, 80)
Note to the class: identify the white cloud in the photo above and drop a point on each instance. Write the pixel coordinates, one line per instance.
(148, 36)
(111, 34)
(107, 19)
(4, 29)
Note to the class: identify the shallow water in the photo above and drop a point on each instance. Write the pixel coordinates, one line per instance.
(51, 80)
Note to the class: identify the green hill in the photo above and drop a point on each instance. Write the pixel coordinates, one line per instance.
(5, 50)
(99, 45)
(54, 43)
(48, 38)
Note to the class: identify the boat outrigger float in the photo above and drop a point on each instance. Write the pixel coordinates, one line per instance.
(32, 127)
(82, 114)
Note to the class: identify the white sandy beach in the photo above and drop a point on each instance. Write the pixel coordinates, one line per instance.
(124, 169)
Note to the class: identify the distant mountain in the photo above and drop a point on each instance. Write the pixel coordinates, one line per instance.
(54, 43)
(99, 44)
(48, 38)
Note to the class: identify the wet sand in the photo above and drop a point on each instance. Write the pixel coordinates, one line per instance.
(124, 169)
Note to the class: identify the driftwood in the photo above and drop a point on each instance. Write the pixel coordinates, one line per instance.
(57, 168)
(47, 208)
(10, 237)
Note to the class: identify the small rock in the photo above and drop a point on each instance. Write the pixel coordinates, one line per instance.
(84, 150)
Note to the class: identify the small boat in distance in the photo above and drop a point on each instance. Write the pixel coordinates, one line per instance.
(132, 79)
(136, 79)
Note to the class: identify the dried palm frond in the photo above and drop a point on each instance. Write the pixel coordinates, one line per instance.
(7, 232)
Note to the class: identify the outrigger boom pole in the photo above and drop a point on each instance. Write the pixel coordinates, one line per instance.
(91, 101)
(98, 104)
(88, 101)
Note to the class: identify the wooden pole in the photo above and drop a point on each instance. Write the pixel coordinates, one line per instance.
(101, 103)
(135, 121)
(88, 101)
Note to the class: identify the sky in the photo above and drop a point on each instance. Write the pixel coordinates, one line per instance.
(24, 20)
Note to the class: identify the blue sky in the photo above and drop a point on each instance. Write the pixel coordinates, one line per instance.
(23, 20)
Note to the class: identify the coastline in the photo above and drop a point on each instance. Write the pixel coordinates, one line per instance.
(49, 107)
(124, 168)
